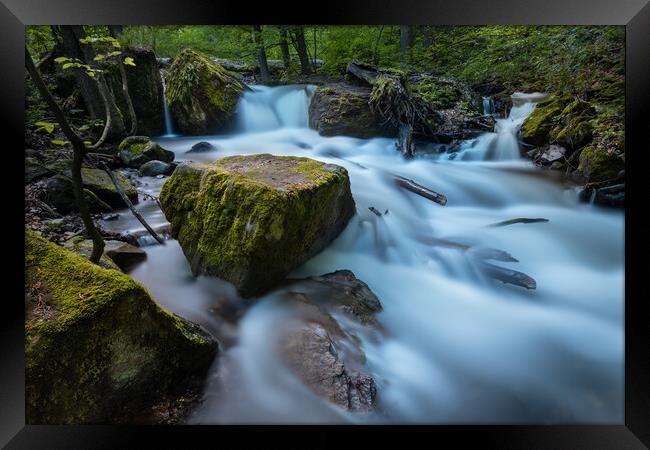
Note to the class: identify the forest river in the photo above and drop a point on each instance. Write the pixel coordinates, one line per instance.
(459, 347)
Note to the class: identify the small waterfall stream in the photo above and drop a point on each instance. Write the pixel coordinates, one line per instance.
(460, 348)
(169, 127)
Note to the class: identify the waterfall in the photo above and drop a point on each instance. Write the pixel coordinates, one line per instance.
(169, 128)
(503, 143)
(488, 106)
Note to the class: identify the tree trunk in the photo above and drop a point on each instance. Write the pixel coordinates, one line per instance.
(116, 31)
(427, 36)
(374, 49)
(301, 48)
(284, 48)
(405, 140)
(116, 129)
(404, 43)
(79, 151)
(261, 54)
(88, 88)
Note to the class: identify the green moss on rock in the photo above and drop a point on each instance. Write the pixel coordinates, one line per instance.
(201, 95)
(343, 110)
(252, 219)
(97, 346)
(600, 164)
(436, 93)
(537, 127)
(137, 150)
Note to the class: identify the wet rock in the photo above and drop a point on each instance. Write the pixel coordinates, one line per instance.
(551, 154)
(137, 150)
(202, 147)
(34, 170)
(204, 102)
(124, 254)
(84, 248)
(99, 182)
(342, 110)
(154, 168)
(97, 347)
(61, 195)
(252, 219)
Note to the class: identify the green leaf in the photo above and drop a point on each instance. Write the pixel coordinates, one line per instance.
(129, 61)
(61, 59)
(68, 65)
(58, 142)
(98, 57)
(87, 142)
(47, 126)
(114, 53)
(91, 74)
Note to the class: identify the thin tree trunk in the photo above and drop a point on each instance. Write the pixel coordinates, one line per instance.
(79, 151)
(301, 48)
(404, 43)
(427, 35)
(116, 31)
(109, 118)
(374, 49)
(261, 54)
(314, 60)
(284, 47)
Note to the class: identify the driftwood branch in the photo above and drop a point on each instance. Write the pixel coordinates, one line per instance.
(481, 254)
(131, 207)
(517, 220)
(376, 212)
(507, 275)
(420, 190)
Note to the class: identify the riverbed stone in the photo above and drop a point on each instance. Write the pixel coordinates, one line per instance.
(97, 346)
(61, 195)
(252, 219)
(99, 182)
(202, 147)
(154, 168)
(201, 95)
(600, 164)
(137, 150)
(327, 358)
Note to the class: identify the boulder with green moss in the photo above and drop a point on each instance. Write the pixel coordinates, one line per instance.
(136, 150)
(201, 95)
(537, 127)
(342, 110)
(252, 219)
(99, 182)
(600, 164)
(60, 194)
(97, 347)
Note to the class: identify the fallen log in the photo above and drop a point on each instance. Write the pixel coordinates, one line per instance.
(364, 72)
(517, 220)
(131, 207)
(420, 190)
(507, 276)
(376, 212)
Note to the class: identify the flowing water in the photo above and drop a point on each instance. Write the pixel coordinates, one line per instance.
(169, 127)
(460, 348)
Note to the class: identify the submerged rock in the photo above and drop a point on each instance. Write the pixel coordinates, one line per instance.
(97, 347)
(137, 150)
(342, 110)
(201, 95)
(202, 147)
(252, 219)
(329, 360)
(155, 167)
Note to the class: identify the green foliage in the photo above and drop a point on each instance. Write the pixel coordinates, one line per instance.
(47, 126)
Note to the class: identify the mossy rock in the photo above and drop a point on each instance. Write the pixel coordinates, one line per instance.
(252, 219)
(574, 128)
(537, 127)
(436, 93)
(137, 150)
(97, 347)
(600, 164)
(34, 170)
(201, 95)
(60, 194)
(343, 110)
(98, 181)
(84, 248)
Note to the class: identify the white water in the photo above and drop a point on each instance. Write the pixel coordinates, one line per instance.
(460, 348)
(488, 106)
(169, 127)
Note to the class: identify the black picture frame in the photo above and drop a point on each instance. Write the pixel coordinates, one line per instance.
(634, 14)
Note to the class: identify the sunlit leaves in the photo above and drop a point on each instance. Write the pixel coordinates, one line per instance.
(46, 126)
(129, 61)
(59, 142)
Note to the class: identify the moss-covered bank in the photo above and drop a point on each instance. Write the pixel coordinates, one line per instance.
(96, 345)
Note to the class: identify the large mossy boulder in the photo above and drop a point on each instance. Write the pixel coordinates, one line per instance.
(137, 150)
(99, 182)
(201, 95)
(97, 347)
(252, 219)
(60, 194)
(343, 110)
